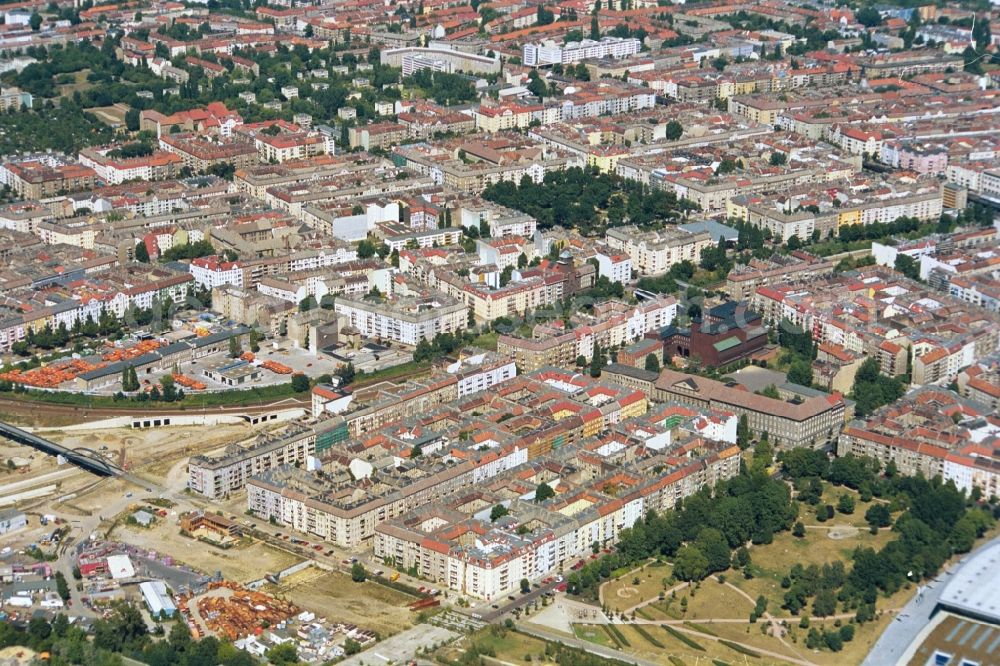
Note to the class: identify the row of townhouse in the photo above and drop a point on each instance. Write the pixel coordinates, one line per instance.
(586, 102)
(116, 170)
(925, 202)
(477, 558)
(934, 433)
(212, 271)
(618, 329)
(71, 311)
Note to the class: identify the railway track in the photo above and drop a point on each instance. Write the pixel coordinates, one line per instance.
(38, 409)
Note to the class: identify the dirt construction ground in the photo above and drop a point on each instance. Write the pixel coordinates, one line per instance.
(335, 596)
(248, 561)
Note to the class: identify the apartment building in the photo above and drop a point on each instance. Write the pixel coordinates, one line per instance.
(654, 252)
(550, 53)
(932, 432)
(613, 324)
(744, 279)
(815, 422)
(114, 171)
(38, 180)
(377, 135)
(439, 58)
(200, 153)
(406, 320)
(217, 477)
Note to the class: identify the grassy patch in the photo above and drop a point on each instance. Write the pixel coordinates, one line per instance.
(739, 648)
(712, 601)
(508, 645)
(593, 634)
(700, 627)
(487, 340)
(645, 634)
(683, 639)
(676, 661)
(617, 635)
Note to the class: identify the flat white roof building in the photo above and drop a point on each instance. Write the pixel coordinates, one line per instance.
(120, 566)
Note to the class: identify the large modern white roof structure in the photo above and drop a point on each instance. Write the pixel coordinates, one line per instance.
(974, 590)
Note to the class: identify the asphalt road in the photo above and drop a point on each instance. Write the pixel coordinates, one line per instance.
(489, 614)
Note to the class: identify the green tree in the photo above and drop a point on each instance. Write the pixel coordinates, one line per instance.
(744, 435)
(300, 383)
(141, 253)
(358, 573)
(674, 130)
(799, 530)
(169, 389)
(595, 28)
(282, 654)
(525, 586)
(62, 587)
(35, 21)
(351, 646)
(543, 492)
(132, 120)
(868, 17)
(800, 372)
(366, 249)
(878, 515)
(845, 504)
(497, 512)
(824, 604)
(690, 564)
(234, 347)
(597, 361)
(652, 363)
(908, 266)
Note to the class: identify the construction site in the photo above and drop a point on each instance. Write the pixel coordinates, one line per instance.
(228, 610)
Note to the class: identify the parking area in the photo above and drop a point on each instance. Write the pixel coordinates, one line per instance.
(403, 646)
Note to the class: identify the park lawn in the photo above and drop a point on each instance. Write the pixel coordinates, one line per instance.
(670, 607)
(594, 633)
(865, 637)
(509, 646)
(772, 562)
(80, 83)
(714, 601)
(624, 593)
(653, 612)
(755, 638)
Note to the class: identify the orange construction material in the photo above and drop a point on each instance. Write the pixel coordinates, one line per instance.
(277, 368)
(52, 375)
(187, 382)
(247, 356)
(242, 613)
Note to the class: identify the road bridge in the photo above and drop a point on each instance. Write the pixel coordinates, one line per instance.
(84, 458)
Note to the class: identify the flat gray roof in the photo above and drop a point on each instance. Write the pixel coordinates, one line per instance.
(974, 589)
